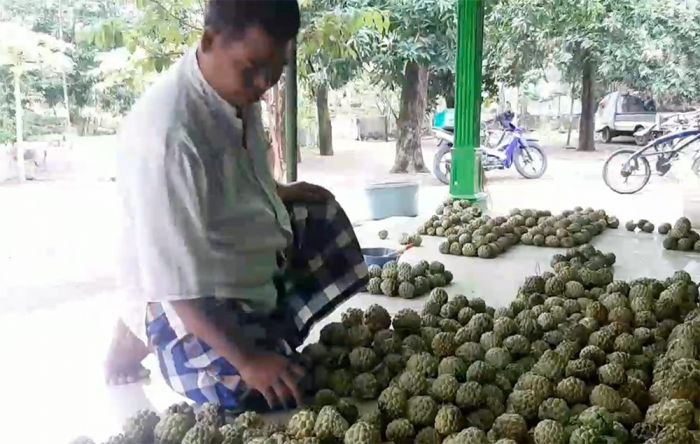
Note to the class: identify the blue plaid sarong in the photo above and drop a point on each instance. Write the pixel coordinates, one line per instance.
(323, 268)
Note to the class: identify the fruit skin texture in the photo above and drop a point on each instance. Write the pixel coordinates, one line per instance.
(362, 433)
(330, 425)
(421, 411)
(377, 318)
(428, 435)
(400, 431)
(172, 428)
(448, 420)
(202, 433)
(140, 427)
(511, 426)
(392, 402)
(549, 432)
(301, 425)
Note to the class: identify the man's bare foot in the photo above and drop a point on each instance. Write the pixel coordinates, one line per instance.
(123, 365)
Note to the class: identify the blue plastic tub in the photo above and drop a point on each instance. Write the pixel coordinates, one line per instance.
(392, 199)
(379, 256)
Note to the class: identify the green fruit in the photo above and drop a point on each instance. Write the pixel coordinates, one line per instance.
(510, 426)
(171, 429)
(334, 334)
(421, 411)
(549, 432)
(140, 428)
(571, 389)
(330, 424)
(301, 424)
(407, 322)
(524, 403)
(413, 383)
(202, 433)
(555, 409)
(389, 287)
(436, 267)
(365, 386)
(423, 363)
(605, 396)
(597, 419)
(443, 344)
(392, 402)
(374, 286)
(363, 359)
(444, 388)
(362, 433)
(428, 435)
(448, 420)
(377, 318)
(400, 431)
(454, 366)
(375, 271)
(470, 395)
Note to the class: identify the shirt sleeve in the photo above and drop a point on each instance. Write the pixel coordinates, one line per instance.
(166, 246)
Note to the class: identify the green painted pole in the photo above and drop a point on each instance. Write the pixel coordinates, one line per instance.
(291, 107)
(466, 179)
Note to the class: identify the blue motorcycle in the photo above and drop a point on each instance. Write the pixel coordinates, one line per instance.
(512, 149)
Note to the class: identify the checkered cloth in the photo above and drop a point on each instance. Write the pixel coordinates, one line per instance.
(323, 268)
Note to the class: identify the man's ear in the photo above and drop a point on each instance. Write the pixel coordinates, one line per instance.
(207, 42)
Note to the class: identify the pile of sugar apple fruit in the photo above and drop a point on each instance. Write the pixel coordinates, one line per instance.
(470, 233)
(407, 281)
(577, 357)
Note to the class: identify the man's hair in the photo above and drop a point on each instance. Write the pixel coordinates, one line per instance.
(279, 18)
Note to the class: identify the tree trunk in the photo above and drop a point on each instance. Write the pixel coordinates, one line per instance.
(409, 155)
(274, 99)
(586, 127)
(64, 81)
(571, 117)
(19, 125)
(325, 129)
(450, 100)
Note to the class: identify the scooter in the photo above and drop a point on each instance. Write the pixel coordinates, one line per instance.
(513, 150)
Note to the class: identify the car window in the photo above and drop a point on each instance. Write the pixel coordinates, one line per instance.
(631, 104)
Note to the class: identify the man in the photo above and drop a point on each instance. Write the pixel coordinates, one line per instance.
(649, 104)
(233, 268)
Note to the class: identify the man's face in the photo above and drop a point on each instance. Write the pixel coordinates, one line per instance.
(242, 69)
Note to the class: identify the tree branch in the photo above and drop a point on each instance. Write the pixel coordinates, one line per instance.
(182, 21)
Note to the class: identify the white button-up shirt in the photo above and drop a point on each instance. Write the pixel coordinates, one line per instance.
(201, 212)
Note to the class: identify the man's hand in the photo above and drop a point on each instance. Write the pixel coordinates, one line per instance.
(274, 376)
(303, 192)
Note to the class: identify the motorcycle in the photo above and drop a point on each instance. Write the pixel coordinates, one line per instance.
(513, 149)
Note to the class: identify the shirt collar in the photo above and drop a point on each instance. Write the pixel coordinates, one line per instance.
(202, 86)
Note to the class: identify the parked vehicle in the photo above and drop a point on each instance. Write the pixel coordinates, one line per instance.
(513, 149)
(632, 168)
(625, 114)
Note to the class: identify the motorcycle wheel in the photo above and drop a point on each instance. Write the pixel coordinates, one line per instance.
(614, 168)
(526, 156)
(442, 163)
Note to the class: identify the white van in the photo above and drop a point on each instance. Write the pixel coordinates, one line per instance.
(622, 114)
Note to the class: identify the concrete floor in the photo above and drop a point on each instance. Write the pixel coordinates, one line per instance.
(58, 299)
(64, 383)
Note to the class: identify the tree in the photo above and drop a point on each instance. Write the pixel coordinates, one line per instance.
(327, 52)
(420, 41)
(68, 21)
(22, 51)
(602, 42)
